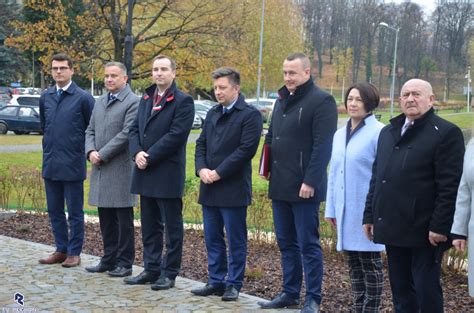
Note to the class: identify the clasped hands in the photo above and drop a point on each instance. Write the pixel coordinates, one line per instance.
(141, 160)
(208, 176)
(94, 157)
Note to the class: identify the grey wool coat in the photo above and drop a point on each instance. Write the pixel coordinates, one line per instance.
(464, 216)
(108, 135)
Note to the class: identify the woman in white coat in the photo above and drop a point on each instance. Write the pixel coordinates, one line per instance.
(463, 225)
(353, 153)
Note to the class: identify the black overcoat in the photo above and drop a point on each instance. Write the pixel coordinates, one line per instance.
(163, 135)
(415, 179)
(227, 144)
(300, 139)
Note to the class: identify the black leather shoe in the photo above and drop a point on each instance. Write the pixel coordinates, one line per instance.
(283, 300)
(142, 278)
(209, 290)
(230, 294)
(163, 283)
(100, 268)
(120, 271)
(310, 306)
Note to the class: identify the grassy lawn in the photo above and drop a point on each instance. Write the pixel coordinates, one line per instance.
(462, 119)
(20, 139)
(259, 213)
(20, 161)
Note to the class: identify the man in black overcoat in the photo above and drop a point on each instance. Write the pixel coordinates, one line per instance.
(410, 204)
(300, 139)
(158, 145)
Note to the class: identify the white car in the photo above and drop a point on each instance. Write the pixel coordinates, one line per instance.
(197, 123)
(31, 100)
(264, 105)
(201, 107)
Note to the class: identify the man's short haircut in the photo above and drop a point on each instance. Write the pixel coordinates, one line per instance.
(230, 73)
(369, 94)
(120, 65)
(426, 85)
(162, 56)
(63, 57)
(299, 55)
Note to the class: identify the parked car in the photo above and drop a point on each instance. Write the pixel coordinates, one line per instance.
(32, 100)
(264, 105)
(20, 119)
(197, 123)
(201, 107)
(273, 95)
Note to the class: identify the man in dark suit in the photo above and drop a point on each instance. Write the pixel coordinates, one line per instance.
(107, 150)
(410, 204)
(224, 151)
(65, 110)
(158, 145)
(300, 139)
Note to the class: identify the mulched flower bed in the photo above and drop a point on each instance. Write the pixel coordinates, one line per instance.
(263, 276)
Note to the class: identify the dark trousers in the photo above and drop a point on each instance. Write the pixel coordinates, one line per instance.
(415, 279)
(67, 239)
(159, 215)
(296, 228)
(118, 236)
(234, 221)
(366, 272)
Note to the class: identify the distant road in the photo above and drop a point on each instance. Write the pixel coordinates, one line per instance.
(37, 147)
(20, 148)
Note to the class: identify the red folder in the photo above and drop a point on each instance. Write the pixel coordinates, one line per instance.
(265, 161)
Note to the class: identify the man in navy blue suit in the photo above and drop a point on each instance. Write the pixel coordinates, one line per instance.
(65, 111)
(224, 151)
(157, 141)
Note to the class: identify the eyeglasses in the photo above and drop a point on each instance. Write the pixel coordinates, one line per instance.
(61, 69)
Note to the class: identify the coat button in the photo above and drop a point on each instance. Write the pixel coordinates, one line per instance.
(379, 219)
(284, 115)
(144, 135)
(275, 162)
(397, 147)
(277, 138)
(384, 181)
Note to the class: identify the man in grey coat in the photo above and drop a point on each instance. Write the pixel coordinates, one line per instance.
(107, 150)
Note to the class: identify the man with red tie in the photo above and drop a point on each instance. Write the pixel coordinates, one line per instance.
(158, 145)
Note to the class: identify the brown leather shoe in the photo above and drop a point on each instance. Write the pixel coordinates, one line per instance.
(56, 257)
(72, 261)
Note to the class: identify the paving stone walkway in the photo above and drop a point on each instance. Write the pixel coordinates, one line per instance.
(52, 288)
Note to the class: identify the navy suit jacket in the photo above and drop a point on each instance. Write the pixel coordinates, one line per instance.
(227, 144)
(163, 135)
(64, 121)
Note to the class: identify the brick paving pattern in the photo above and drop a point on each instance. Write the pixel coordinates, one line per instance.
(52, 288)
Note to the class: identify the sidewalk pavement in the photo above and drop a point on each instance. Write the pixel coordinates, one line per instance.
(53, 288)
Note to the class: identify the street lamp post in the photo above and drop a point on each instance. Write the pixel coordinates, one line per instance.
(259, 75)
(392, 87)
(468, 76)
